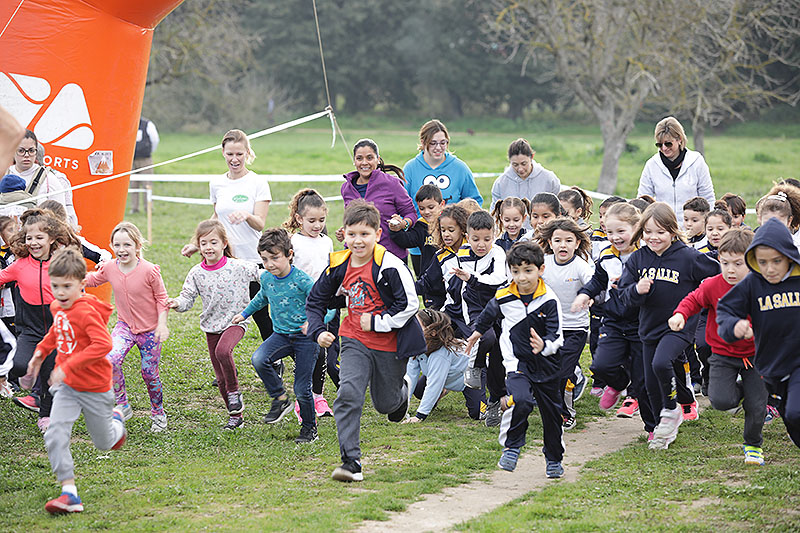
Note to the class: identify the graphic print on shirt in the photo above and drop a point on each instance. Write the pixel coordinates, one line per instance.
(362, 297)
(442, 181)
(65, 335)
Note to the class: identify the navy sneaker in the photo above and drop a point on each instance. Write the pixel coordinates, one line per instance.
(278, 410)
(554, 469)
(508, 461)
(307, 434)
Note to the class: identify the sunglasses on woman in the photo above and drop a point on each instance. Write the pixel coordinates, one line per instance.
(667, 144)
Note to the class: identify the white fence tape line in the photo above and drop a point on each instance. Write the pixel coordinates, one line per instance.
(206, 201)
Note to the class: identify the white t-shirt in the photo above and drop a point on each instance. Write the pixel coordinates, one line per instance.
(228, 196)
(312, 255)
(566, 280)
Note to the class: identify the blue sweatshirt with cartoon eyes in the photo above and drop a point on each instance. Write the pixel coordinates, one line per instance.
(675, 273)
(773, 308)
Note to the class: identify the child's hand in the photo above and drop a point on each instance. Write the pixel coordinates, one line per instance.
(676, 322)
(304, 328)
(396, 223)
(325, 339)
(161, 333)
(57, 376)
(366, 322)
(34, 365)
(471, 342)
(580, 303)
(643, 287)
(411, 420)
(536, 342)
(189, 250)
(743, 330)
(340, 234)
(238, 319)
(172, 303)
(614, 283)
(461, 274)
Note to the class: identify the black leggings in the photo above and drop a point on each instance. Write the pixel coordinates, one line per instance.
(261, 317)
(664, 363)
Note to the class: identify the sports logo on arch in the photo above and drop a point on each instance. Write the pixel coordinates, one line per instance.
(59, 120)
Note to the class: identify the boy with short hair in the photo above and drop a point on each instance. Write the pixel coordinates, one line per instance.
(82, 375)
(479, 272)
(285, 288)
(379, 333)
(430, 202)
(694, 221)
(737, 207)
(769, 297)
(531, 336)
(729, 362)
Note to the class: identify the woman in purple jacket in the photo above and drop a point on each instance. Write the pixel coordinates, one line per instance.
(371, 182)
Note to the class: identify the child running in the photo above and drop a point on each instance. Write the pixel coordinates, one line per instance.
(655, 279)
(442, 366)
(511, 215)
(765, 306)
(40, 236)
(142, 309)
(223, 284)
(312, 247)
(732, 375)
(566, 247)
(378, 334)
(578, 206)
(618, 358)
(737, 207)
(545, 207)
(694, 221)
(285, 288)
(530, 317)
(81, 378)
(448, 237)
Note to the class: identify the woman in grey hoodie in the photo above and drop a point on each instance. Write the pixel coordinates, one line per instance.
(523, 177)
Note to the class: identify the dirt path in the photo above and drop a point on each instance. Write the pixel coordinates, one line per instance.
(441, 511)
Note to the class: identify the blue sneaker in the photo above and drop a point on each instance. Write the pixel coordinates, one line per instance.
(508, 461)
(771, 415)
(66, 503)
(119, 416)
(580, 385)
(554, 469)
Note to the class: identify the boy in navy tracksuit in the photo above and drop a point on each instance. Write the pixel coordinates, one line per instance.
(378, 334)
(530, 316)
(770, 297)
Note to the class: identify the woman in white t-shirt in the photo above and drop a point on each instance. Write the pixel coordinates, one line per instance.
(241, 200)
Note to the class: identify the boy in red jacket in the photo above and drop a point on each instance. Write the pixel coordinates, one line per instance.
(728, 361)
(81, 379)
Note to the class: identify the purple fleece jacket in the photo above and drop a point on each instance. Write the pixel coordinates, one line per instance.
(389, 196)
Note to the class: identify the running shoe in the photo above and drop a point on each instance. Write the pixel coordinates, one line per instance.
(690, 412)
(117, 415)
(493, 415)
(569, 422)
(5, 390)
(233, 422)
(321, 406)
(278, 410)
(401, 413)
(472, 377)
(235, 403)
(554, 469)
(307, 434)
(126, 410)
(349, 471)
(159, 423)
(580, 385)
(772, 414)
(753, 455)
(596, 392)
(66, 503)
(609, 398)
(29, 402)
(629, 408)
(508, 460)
(667, 429)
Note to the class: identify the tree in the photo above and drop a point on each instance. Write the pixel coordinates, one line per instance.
(740, 56)
(607, 52)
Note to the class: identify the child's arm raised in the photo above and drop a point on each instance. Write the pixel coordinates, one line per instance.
(691, 304)
(732, 312)
(412, 237)
(553, 337)
(97, 277)
(189, 292)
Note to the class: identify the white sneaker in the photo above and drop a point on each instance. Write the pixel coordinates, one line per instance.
(126, 410)
(159, 423)
(667, 429)
(5, 390)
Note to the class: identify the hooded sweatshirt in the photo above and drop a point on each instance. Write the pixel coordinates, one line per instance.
(773, 309)
(510, 184)
(676, 272)
(80, 334)
(453, 177)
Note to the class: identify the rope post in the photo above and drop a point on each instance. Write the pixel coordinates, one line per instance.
(149, 209)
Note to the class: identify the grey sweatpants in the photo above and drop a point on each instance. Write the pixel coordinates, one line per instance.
(68, 404)
(361, 366)
(725, 393)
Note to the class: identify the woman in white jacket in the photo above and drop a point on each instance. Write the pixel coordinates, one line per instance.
(675, 174)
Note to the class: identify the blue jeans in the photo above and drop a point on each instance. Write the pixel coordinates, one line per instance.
(276, 347)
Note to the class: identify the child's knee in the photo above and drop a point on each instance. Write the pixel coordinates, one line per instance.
(791, 415)
(722, 403)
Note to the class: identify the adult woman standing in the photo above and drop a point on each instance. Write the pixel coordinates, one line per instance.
(523, 177)
(675, 174)
(241, 200)
(435, 165)
(371, 182)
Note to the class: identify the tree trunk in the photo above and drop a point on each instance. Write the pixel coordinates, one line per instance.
(699, 136)
(614, 137)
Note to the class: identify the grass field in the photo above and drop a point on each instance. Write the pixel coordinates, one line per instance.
(197, 477)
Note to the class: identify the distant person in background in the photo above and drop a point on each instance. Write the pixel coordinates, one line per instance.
(435, 165)
(523, 177)
(11, 134)
(675, 174)
(146, 143)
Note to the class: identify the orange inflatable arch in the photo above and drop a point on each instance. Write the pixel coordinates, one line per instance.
(73, 72)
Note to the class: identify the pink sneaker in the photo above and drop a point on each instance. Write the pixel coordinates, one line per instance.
(609, 398)
(690, 411)
(649, 436)
(596, 392)
(297, 411)
(629, 409)
(321, 406)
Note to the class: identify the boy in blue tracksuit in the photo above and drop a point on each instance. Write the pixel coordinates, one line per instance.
(378, 334)
(770, 297)
(530, 315)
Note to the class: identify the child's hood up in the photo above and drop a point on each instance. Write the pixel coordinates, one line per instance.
(774, 234)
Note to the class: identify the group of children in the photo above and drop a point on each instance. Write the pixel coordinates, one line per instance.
(507, 299)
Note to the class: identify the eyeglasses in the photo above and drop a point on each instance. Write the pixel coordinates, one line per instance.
(667, 144)
(443, 144)
(24, 152)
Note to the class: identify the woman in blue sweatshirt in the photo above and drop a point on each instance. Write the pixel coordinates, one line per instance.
(770, 297)
(655, 279)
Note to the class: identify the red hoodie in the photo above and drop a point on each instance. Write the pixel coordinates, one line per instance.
(80, 334)
(706, 296)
